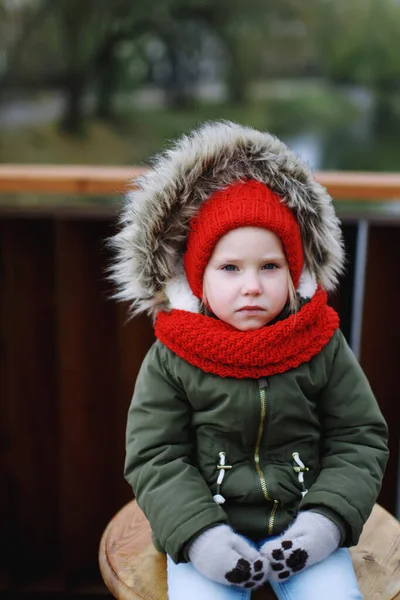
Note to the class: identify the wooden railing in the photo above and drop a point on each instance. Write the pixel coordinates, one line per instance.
(75, 179)
(69, 358)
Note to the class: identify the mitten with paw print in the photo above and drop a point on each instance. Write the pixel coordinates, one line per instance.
(310, 539)
(224, 556)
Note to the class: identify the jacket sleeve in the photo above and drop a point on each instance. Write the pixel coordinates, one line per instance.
(353, 449)
(168, 487)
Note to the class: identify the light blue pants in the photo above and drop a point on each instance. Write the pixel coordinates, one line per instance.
(331, 579)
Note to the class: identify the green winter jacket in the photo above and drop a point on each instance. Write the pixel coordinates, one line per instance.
(181, 418)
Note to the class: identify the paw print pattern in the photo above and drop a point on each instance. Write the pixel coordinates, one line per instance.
(288, 561)
(246, 574)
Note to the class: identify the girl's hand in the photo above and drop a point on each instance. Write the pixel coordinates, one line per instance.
(310, 539)
(224, 556)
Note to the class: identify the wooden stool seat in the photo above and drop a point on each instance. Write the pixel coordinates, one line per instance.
(133, 570)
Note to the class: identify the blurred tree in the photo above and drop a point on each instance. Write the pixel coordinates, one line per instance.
(179, 37)
(18, 24)
(379, 65)
(127, 23)
(81, 27)
(259, 36)
(95, 33)
(107, 73)
(181, 26)
(97, 48)
(242, 29)
(358, 42)
(89, 34)
(338, 29)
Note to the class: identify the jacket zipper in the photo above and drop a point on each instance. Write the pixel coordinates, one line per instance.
(263, 384)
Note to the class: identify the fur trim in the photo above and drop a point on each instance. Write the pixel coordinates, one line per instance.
(307, 284)
(180, 295)
(155, 222)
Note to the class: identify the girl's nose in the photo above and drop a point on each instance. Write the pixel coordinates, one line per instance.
(251, 285)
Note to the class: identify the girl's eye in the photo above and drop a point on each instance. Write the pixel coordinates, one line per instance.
(270, 266)
(229, 268)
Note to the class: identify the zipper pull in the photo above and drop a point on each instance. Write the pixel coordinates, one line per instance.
(262, 382)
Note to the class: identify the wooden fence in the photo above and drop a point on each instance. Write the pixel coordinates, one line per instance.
(69, 358)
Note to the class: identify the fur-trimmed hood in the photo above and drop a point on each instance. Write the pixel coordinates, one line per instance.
(154, 226)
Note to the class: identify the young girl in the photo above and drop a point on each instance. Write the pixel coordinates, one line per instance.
(255, 446)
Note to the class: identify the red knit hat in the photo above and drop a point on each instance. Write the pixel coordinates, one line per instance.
(241, 204)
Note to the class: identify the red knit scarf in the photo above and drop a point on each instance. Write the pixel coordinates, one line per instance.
(219, 348)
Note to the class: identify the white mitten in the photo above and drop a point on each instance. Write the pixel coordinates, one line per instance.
(310, 539)
(224, 556)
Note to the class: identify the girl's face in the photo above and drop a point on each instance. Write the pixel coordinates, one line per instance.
(246, 281)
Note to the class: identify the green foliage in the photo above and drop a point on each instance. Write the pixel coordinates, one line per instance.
(321, 109)
(359, 41)
(103, 46)
(140, 133)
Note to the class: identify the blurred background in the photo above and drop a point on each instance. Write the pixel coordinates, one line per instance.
(111, 83)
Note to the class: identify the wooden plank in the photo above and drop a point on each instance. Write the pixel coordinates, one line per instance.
(131, 567)
(65, 179)
(380, 340)
(376, 558)
(88, 386)
(29, 421)
(360, 185)
(87, 179)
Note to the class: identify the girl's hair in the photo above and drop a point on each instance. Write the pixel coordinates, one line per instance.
(291, 307)
(203, 310)
(294, 300)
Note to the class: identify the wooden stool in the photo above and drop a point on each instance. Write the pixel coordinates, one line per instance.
(133, 570)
